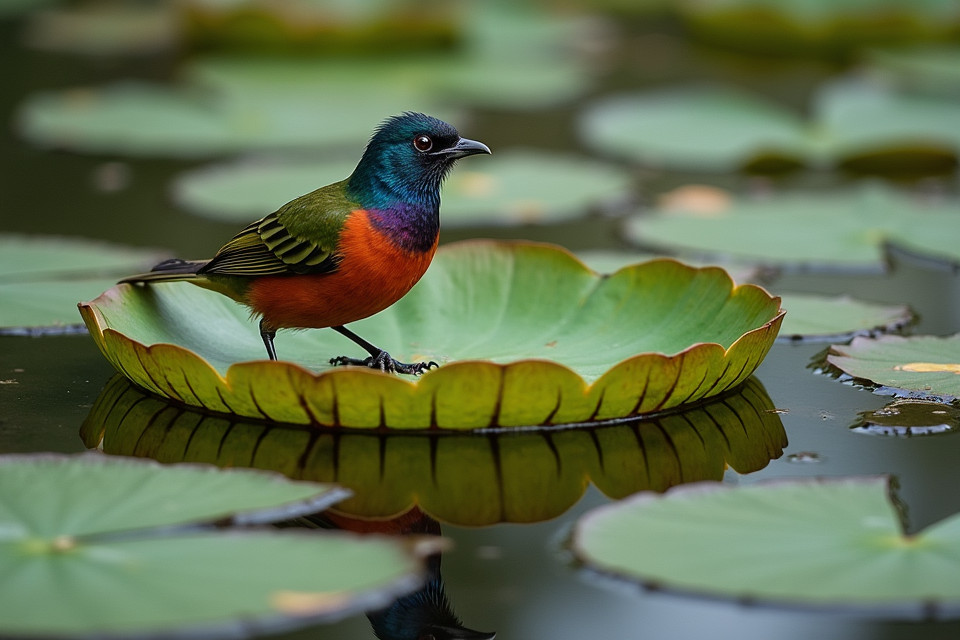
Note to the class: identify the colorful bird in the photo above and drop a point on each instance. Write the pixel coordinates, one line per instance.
(345, 251)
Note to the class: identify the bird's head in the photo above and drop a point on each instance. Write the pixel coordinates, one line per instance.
(408, 157)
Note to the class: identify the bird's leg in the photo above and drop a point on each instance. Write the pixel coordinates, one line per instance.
(379, 359)
(267, 335)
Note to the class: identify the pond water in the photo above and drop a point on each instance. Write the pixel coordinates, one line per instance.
(510, 578)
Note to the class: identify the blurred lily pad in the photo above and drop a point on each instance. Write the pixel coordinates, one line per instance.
(855, 122)
(516, 477)
(826, 231)
(525, 334)
(515, 187)
(908, 418)
(814, 318)
(135, 118)
(104, 29)
(305, 26)
(925, 366)
(95, 545)
(818, 27)
(833, 544)
(928, 69)
(41, 278)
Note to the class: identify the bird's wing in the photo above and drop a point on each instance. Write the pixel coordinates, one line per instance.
(300, 237)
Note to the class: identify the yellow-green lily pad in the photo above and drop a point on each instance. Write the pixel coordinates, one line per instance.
(512, 477)
(828, 544)
(41, 278)
(805, 27)
(517, 186)
(923, 366)
(525, 335)
(826, 231)
(103, 546)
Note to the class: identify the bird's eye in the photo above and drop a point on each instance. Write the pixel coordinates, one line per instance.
(423, 143)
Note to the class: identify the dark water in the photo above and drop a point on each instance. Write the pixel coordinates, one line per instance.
(509, 578)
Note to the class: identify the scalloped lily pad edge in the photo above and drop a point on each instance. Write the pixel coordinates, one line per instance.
(504, 396)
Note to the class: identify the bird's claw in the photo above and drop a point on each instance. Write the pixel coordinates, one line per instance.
(384, 362)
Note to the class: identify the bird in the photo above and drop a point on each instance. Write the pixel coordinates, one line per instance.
(345, 251)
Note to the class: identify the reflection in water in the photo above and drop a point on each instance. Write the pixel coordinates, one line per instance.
(462, 478)
(425, 614)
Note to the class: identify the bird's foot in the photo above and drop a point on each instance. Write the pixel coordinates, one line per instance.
(385, 363)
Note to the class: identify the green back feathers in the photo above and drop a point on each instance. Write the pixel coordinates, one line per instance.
(300, 237)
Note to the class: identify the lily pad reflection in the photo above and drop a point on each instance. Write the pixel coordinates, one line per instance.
(519, 477)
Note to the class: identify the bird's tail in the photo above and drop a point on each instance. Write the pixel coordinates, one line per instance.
(169, 271)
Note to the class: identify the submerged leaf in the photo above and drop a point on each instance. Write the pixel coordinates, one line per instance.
(908, 418)
(516, 477)
(833, 544)
(916, 365)
(525, 334)
(100, 546)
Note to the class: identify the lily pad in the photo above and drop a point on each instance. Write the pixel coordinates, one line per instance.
(925, 366)
(830, 231)
(517, 186)
(908, 418)
(817, 27)
(928, 69)
(814, 318)
(41, 278)
(855, 123)
(94, 545)
(515, 477)
(833, 544)
(525, 334)
(107, 29)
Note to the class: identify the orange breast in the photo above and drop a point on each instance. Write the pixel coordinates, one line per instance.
(373, 274)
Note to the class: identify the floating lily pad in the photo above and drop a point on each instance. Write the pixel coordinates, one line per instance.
(516, 477)
(304, 26)
(107, 29)
(930, 69)
(135, 118)
(94, 545)
(836, 544)
(926, 366)
(908, 418)
(818, 27)
(525, 334)
(858, 123)
(814, 318)
(832, 231)
(514, 187)
(42, 277)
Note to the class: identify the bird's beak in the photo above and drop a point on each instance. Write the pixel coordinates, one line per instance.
(466, 147)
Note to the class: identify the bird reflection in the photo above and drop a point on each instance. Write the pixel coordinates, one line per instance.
(425, 614)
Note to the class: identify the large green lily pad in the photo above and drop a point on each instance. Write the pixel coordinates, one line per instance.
(818, 27)
(839, 231)
(41, 278)
(915, 365)
(516, 186)
(515, 477)
(834, 544)
(857, 123)
(95, 545)
(525, 334)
